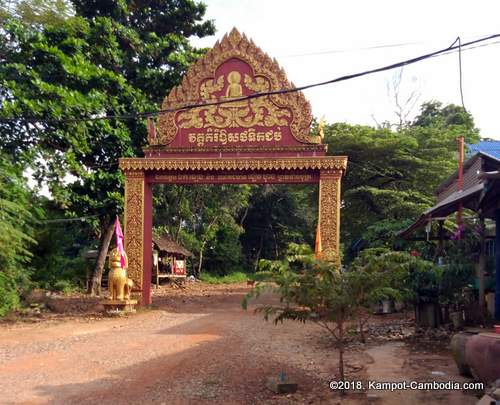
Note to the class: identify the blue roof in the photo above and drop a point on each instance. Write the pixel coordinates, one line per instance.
(491, 148)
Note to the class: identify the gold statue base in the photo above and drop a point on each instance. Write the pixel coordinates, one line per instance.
(113, 306)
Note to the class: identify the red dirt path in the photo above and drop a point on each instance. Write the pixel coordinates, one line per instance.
(197, 346)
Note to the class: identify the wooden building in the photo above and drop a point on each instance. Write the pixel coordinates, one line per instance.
(169, 259)
(479, 192)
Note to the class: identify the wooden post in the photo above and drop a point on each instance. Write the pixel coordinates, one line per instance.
(497, 264)
(481, 264)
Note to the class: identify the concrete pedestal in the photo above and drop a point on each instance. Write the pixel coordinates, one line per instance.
(119, 305)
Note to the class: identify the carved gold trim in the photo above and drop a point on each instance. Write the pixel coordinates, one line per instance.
(236, 45)
(338, 163)
(134, 225)
(246, 149)
(329, 214)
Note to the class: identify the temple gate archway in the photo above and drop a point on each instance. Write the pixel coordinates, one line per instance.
(246, 141)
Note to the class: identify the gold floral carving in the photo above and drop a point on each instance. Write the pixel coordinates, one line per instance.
(329, 214)
(211, 86)
(258, 111)
(134, 224)
(199, 84)
(338, 163)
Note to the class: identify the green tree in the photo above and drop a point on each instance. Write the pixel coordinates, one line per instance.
(278, 215)
(434, 114)
(311, 290)
(205, 219)
(88, 66)
(391, 176)
(224, 254)
(17, 217)
(152, 36)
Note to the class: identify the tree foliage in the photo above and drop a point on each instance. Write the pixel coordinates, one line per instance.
(205, 219)
(311, 290)
(64, 64)
(111, 58)
(251, 222)
(35, 12)
(392, 175)
(17, 218)
(276, 217)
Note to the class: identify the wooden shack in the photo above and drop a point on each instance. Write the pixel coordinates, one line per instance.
(169, 259)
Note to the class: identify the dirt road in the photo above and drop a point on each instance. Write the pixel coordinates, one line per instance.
(196, 347)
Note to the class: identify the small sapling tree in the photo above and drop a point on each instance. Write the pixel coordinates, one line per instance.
(312, 290)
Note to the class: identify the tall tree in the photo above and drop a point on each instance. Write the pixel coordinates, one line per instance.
(153, 36)
(205, 218)
(278, 215)
(392, 175)
(434, 114)
(100, 62)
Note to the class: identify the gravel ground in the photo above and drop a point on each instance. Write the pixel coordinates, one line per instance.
(197, 346)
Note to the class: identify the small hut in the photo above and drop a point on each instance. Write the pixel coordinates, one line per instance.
(169, 259)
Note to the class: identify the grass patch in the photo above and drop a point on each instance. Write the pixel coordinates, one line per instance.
(236, 277)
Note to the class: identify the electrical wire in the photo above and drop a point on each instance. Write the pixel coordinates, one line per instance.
(193, 105)
(367, 48)
(360, 49)
(68, 219)
(467, 49)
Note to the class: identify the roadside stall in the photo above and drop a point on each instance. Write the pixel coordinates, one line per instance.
(169, 260)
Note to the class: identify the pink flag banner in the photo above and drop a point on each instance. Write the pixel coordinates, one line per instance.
(119, 242)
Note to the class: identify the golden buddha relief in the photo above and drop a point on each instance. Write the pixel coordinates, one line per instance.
(234, 88)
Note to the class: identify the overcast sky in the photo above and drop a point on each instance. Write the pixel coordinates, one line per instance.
(317, 40)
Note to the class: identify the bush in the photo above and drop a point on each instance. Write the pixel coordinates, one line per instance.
(9, 298)
(58, 254)
(237, 277)
(57, 272)
(63, 286)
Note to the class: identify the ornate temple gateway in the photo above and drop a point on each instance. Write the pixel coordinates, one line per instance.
(243, 140)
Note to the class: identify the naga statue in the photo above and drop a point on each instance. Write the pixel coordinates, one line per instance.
(120, 286)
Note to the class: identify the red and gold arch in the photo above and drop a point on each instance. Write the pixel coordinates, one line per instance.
(257, 140)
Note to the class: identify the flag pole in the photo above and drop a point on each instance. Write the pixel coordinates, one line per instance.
(318, 249)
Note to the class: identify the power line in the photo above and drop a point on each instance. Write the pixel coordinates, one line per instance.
(365, 48)
(467, 49)
(193, 105)
(345, 50)
(68, 219)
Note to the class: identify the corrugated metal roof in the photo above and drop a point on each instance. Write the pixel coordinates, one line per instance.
(491, 148)
(446, 207)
